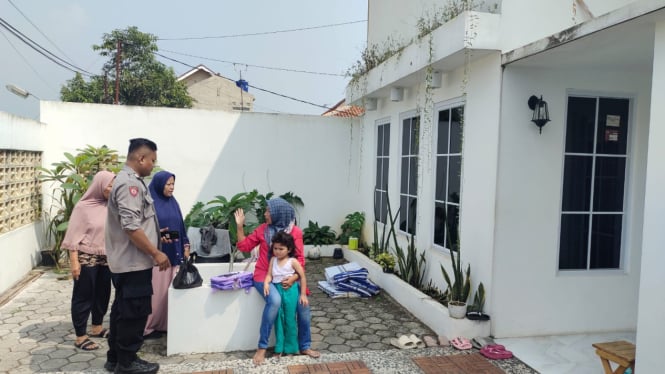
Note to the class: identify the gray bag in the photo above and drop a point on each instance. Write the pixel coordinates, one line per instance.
(208, 238)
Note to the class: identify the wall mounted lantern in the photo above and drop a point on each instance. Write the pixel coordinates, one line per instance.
(540, 113)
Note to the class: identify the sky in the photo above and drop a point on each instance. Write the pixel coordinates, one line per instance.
(70, 28)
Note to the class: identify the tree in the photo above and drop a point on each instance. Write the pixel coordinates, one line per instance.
(143, 80)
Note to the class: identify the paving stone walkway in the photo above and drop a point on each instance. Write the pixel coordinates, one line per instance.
(36, 334)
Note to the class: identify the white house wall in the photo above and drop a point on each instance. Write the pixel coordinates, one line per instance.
(650, 327)
(393, 23)
(479, 163)
(19, 248)
(223, 153)
(529, 206)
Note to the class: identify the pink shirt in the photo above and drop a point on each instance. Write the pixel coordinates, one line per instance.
(257, 237)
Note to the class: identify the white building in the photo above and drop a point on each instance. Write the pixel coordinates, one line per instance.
(563, 227)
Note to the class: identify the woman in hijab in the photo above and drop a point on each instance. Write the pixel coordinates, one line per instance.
(170, 219)
(279, 216)
(87, 256)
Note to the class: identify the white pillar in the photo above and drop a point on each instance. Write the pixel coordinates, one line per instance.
(651, 305)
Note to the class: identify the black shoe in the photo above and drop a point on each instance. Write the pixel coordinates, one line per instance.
(137, 366)
(153, 335)
(110, 366)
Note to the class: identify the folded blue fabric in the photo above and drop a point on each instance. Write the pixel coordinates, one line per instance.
(364, 288)
(335, 293)
(340, 273)
(233, 281)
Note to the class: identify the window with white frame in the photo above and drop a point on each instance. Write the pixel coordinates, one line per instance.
(592, 209)
(448, 176)
(409, 176)
(381, 181)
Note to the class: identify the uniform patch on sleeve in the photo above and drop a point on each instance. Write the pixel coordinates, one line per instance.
(133, 190)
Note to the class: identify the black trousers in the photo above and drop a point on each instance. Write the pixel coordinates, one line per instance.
(90, 295)
(129, 313)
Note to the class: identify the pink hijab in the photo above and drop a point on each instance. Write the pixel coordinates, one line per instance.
(85, 231)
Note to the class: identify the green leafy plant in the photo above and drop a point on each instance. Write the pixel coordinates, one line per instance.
(459, 285)
(219, 211)
(71, 179)
(386, 260)
(411, 266)
(352, 227)
(315, 235)
(478, 299)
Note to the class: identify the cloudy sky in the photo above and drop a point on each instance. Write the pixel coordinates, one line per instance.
(193, 32)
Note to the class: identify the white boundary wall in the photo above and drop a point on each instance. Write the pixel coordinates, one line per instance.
(19, 248)
(223, 153)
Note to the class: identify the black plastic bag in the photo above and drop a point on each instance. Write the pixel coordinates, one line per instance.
(188, 275)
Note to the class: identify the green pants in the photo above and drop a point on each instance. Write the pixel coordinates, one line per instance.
(286, 326)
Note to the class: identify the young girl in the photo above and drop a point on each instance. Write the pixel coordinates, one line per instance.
(284, 264)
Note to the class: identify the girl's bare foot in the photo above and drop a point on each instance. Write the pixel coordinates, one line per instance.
(259, 356)
(311, 353)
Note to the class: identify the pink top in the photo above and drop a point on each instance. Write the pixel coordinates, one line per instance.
(262, 263)
(85, 231)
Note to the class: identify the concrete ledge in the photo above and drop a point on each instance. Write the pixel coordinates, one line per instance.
(426, 309)
(203, 319)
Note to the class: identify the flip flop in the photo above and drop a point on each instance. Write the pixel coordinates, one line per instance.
(495, 353)
(87, 345)
(461, 343)
(103, 333)
(418, 343)
(480, 342)
(443, 341)
(430, 341)
(477, 316)
(403, 342)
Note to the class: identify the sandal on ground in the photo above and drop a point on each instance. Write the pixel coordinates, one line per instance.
(430, 341)
(419, 343)
(494, 353)
(443, 341)
(480, 342)
(86, 345)
(311, 353)
(461, 343)
(403, 342)
(103, 333)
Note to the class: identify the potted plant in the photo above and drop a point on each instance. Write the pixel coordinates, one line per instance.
(387, 262)
(475, 310)
(71, 179)
(352, 228)
(318, 235)
(459, 286)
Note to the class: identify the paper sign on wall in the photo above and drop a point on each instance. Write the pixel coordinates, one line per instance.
(611, 135)
(613, 121)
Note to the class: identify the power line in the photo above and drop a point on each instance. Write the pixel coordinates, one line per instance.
(263, 33)
(25, 60)
(257, 88)
(255, 66)
(41, 50)
(40, 31)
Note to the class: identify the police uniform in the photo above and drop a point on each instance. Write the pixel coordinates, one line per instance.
(130, 207)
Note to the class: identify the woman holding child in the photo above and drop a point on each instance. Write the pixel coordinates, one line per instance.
(279, 216)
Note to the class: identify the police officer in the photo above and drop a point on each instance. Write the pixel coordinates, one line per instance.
(132, 240)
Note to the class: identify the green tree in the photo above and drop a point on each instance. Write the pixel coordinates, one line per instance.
(144, 81)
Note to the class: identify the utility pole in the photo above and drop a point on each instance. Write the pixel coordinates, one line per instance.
(117, 72)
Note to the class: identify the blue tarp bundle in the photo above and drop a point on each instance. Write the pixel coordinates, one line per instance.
(349, 278)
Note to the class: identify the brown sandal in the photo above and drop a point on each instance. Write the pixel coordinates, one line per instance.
(87, 345)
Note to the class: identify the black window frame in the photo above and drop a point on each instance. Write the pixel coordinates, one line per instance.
(594, 183)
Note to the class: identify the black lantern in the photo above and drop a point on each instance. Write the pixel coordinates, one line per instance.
(540, 113)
